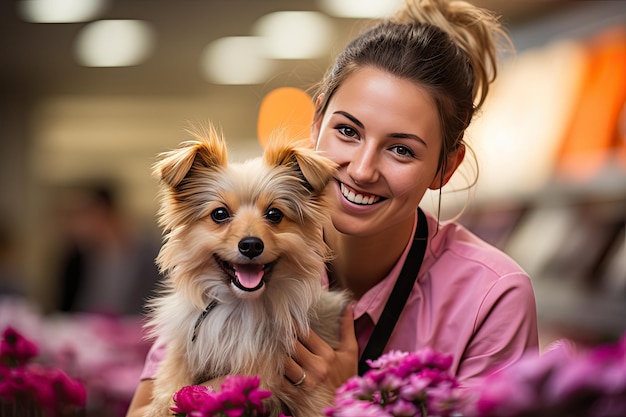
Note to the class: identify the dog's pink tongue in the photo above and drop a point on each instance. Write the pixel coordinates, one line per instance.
(249, 275)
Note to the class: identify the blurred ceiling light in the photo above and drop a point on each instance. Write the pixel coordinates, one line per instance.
(235, 60)
(294, 35)
(360, 9)
(59, 11)
(114, 43)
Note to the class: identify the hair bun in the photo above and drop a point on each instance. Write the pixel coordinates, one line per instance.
(476, 31)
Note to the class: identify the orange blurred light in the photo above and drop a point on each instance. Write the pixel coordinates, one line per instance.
(286, 111)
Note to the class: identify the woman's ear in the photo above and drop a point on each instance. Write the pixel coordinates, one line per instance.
(453, 162)
(317, 122)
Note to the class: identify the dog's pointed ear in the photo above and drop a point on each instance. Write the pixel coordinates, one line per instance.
(208, 149)
(309, 165)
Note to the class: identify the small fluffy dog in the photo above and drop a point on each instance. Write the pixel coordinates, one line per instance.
(242, 256)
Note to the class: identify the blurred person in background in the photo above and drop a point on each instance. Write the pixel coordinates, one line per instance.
(107, 266)
(11, 276)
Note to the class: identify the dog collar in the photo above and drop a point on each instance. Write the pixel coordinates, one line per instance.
(206, 311)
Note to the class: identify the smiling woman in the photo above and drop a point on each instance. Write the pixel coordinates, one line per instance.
(385, 131)
(392, 113)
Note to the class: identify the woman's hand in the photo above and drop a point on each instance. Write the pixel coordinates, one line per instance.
(317, 364)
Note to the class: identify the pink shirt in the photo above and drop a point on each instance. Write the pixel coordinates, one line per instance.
(470, 300)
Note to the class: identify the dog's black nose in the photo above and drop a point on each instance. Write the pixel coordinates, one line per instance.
(251, 246)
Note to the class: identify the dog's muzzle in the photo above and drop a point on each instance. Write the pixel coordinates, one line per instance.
(248, 277)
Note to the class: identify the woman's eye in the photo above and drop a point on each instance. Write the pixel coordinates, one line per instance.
(347, 131)
(220, 215)
(274, 215)
(403, 151)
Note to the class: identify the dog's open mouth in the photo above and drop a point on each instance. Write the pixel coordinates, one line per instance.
(246, 277)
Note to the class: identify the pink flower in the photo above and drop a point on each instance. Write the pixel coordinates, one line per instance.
(12, 382)
(443, 399)
(415, 388)
(242, 393)
(354, 408)
(15, 349)
(68, 390)
(195, 397)
(401, 384)
(239, 396)
(561, 382)
(31, 384)
(257, 396)
(388, 360)
(402, 408)
(433, 359)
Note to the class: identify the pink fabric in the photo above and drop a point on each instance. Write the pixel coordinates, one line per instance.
(155, 356)
(470, 300)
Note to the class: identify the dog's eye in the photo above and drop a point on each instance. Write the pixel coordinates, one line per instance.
(274, 215)
(220, 215)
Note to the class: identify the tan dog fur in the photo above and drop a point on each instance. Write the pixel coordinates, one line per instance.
(249, 332)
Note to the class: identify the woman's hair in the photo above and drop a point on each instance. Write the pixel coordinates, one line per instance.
(447, 47)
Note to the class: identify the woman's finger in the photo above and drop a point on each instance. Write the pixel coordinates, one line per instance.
(348, 342)
(294, 373)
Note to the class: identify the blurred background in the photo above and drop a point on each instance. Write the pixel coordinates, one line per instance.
(91, 91)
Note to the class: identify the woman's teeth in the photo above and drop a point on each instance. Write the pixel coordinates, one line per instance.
(357, 198)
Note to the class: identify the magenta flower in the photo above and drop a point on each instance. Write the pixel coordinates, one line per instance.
(357, 388)
(68, 391)
(352, 408)
(239, 396)
(195, 398)
(444, 399)
(51, 389)
(401, 384)
(12, 382)
(388, 360)
(15, 350)
(403, 408)
(560, 382)
(33, 385)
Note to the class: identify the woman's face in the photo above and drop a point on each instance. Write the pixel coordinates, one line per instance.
(384, 134)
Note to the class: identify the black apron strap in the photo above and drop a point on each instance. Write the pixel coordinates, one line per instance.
(399, 295)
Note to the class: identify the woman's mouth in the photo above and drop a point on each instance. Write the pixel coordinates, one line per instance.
(357, 197)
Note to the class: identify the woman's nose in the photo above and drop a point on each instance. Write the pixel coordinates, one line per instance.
(363, 168)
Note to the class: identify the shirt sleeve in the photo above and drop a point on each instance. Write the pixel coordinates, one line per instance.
(504, 331)
(155, 356)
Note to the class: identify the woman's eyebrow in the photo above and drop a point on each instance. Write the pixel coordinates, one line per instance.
(409, 136)
(351, 117)
(393, 135)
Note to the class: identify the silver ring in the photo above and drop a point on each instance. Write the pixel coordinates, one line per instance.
(301, 380)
